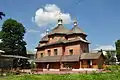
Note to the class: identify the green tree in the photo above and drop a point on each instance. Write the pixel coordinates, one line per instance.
(0, 34)
(33, 65)
(108, 56)
(117, 43)
(0, 38)
(12, 38)
(1, 14)
(110, 59)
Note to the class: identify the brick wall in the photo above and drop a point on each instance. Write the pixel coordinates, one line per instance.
(39, 53)
(84, 47)
(72, 37)
(55, 65)
(42, 44)
(59, 50)
(75, 47)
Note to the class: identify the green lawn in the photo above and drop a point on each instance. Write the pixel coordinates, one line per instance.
(97, 76)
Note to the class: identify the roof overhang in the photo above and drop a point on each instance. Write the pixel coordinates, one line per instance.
(69, 58)
(42, 47)
(14, 56)
(43, 41)
(62, 42)
(76, 34)
(48, 59)
(56, 34)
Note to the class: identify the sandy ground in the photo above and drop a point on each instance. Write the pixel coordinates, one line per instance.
(56, 71)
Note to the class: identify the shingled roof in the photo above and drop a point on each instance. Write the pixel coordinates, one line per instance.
(90, 55)
(65, 58)
(69, 58)
(63, 41)
(59, 29)
(76, 39)
(44, 39)
(76, 29)
(49, 59)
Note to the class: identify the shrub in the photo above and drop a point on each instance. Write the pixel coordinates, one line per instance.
(33, 65)
(113, 68)
(100, 66)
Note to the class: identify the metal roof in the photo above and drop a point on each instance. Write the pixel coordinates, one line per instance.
(2, 51)
(14, 56)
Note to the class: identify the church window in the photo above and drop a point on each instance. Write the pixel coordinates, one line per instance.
(71, 51)
(55, 52)
(49, 52)
(41, 55)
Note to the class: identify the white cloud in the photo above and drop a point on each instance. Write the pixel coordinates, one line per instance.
(49, 15)
(105, 47)
(32, 30)
(42, 34)
(35, 50)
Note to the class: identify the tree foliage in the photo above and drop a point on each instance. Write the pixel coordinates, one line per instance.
(110, 59)
(1, 14)
(117, 43)
(12, 38)
(0, 34)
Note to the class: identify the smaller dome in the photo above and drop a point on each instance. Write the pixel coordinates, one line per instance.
(76, 29)
(59, 29)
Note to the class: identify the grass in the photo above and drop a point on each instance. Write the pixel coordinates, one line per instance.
(95, 76)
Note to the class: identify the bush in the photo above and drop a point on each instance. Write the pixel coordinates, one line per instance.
(113, 68)
(33, 65)
(100, 66)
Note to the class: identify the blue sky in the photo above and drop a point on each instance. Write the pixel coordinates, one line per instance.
(100, 19)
